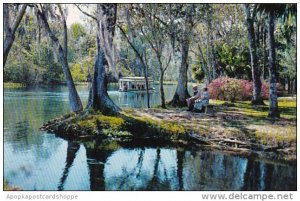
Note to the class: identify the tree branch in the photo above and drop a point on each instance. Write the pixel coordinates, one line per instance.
(168, 63)
(18, 19)
(46, 25)
(65, 30)
(131, 45)
(86, 13)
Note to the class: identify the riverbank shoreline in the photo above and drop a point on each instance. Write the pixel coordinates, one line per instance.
(20, 85)
(240, 128)
(15, 85)
(9, 187)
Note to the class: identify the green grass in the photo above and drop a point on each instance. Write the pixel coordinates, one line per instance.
(263, 129)
(165, 127)
(216, 102)
(287, 108)
(241, 121)
(13, 85)
(99, 121)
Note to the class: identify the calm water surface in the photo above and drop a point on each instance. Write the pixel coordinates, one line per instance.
(37, 160)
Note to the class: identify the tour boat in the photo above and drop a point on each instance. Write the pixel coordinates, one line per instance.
(135, 84)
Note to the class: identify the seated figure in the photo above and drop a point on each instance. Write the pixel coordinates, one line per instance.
(190, 101)
(203, 101)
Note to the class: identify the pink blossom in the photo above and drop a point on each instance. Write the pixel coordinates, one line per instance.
(231, 89)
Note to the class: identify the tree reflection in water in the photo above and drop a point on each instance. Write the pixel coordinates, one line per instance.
(72, 150)
(115, 167)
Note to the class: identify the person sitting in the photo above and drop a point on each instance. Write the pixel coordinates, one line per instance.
(190, 101)
(203, 101)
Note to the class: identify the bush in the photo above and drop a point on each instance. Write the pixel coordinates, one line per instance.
(231, 89)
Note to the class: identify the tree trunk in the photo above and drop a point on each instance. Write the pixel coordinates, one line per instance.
(292, 86)
(98, 97)
(256, 99)
(208, 60)
(10, 31)
(210, 51)
(264, 52)
(74, 100)
(147, 85)
(107, 16)
(295, 86)
(161, 85)
(214, 62)
(145, 64)
(273, 108)
(181, 94)
(289, 83)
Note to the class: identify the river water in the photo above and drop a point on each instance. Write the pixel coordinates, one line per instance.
(37, 160)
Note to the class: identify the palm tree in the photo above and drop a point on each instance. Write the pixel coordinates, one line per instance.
(274, 11)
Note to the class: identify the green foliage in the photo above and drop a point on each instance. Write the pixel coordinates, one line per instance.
(110, 122)
(234, 61)
(77, 31)
(232, 90)
(173, 128)
(78, 73)
(20, 72)
(287, 54)
(99, 121)
(32, 60)
(198, 73)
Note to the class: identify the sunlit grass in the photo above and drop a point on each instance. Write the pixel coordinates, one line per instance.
(12, 85)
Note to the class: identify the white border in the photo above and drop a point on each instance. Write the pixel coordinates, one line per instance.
(131, 196)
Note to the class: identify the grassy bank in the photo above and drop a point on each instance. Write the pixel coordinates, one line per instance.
(124, 126)
(13, 85)
(240, 127)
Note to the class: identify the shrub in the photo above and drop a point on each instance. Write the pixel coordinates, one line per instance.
(231, 89)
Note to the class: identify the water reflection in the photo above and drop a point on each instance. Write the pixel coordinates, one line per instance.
(113, 167)
(97, 153)
(72, 150)
(37, 160)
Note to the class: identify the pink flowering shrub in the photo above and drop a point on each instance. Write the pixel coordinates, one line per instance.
(231, 89)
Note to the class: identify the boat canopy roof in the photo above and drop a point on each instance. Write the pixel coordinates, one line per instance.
(135, 79)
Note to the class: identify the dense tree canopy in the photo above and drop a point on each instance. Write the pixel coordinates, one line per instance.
(181, 43)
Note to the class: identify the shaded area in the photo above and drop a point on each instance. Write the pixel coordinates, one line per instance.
(127, 167)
